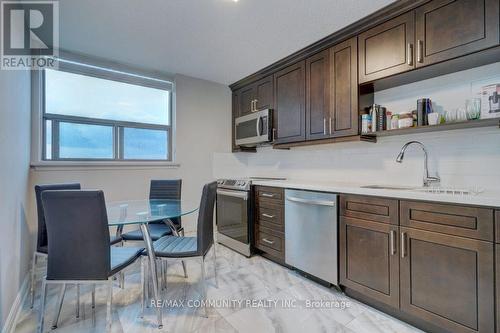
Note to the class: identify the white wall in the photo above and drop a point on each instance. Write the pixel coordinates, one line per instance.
(15, 240)
(203, 118)
(462, 158)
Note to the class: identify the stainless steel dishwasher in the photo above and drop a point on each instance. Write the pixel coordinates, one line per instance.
(311, 233)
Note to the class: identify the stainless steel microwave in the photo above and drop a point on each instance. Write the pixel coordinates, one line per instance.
(254, 128)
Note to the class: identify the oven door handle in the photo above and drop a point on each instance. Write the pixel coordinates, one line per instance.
(235, 194)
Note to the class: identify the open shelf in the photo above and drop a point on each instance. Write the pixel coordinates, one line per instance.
(435, 128)
(364, 138)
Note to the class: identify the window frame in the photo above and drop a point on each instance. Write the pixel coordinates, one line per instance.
(105, 71)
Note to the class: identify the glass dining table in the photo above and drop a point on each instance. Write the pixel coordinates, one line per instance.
(141, 213)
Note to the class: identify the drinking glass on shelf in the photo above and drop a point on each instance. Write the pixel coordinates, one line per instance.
(461, 114)
(451, 116)
(473, 108)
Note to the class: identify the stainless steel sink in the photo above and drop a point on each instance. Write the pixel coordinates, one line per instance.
(435, 190)
(391, 187)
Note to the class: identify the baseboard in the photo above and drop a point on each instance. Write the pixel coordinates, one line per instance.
(11, 321)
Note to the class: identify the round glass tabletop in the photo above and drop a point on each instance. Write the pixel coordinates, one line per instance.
(145, 211)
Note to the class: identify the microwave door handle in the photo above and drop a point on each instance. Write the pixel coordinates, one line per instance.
(258, 125)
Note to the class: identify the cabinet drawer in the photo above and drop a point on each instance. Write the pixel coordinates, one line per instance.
(271, 241)
(455, 220)
(369, 208)
(270, 214)
(269, 194)
(497, 223)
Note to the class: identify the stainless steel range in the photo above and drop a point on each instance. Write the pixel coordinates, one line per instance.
(235, 213)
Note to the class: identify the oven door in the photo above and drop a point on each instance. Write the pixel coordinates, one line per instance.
(253, 129)
(232, 214)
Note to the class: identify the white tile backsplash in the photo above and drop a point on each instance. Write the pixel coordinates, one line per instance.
(462, 157)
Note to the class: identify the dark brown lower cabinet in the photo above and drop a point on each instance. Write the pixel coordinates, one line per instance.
(369, 259)
(497, 284)
(447, 280)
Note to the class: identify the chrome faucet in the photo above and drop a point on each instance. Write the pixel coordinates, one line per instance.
(428, 180)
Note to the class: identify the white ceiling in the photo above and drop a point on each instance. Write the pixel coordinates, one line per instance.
(217, 40)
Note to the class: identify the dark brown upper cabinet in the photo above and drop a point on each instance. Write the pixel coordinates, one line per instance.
(256, 96)
(289, 104)
(447, 281)
(246, 100)
(387, 49)
(447, 29)
(318, 116)
(235, 113)
(344, 89)
(369, 259)
(264, 93)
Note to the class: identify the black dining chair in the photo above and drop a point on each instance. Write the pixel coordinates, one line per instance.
(42, 241)
(79, 250)
(184, 248)
(169, 189)
(164, 189)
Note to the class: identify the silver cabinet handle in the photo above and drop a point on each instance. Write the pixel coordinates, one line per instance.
(330, 126)
(410, 54)
(274, 134)
(393, 242)
(311, 202)
(268, 216)
(324, 126)
(403, 244)
(265, 240)
(255, 104)
(267, 195)
(235, 194)
(420, 57)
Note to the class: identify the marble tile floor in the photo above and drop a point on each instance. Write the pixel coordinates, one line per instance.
(282, 302)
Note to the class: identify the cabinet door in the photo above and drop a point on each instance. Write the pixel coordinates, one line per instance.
(369, 261)
(497, 226)
(497, 274)
(235, 113)
(387, 49)
(344, 88)
(289, 106)
(318, 119)
(447, 29)
(447, 280)
(264, 93)
(246, 97)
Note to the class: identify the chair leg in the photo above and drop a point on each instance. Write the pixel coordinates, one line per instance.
(77, 301)
(184, 268)
(164, 274)
(204, 286)
(215, 267)
(122, 280)
(93, 304)
(33, 279)
(143, 284)
(108, 306)
(42, 306)
(59, 306)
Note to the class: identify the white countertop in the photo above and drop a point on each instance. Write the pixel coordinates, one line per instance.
(486, 198)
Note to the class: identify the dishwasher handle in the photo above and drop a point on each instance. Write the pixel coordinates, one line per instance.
(312, 201)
